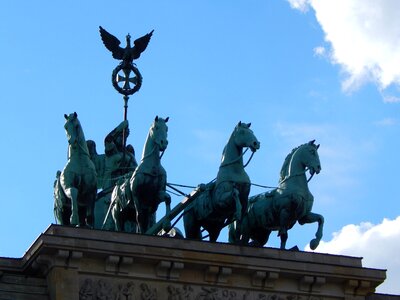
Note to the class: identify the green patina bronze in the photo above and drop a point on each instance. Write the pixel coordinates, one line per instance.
(117, 159)
(225, 200)
(136, 199)
(122, 73)
(130, 193)
(75, 188)
(282, 207)
(112, 166)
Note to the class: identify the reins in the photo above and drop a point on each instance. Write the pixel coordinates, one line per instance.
(151, 152)
(238, 158)
(78, 141)
(251, 156)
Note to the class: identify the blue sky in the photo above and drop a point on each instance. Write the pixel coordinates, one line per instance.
(298, 70)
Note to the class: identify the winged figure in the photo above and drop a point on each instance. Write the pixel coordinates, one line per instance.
(127, 54)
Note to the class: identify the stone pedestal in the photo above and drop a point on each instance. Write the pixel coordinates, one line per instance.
(75, 263)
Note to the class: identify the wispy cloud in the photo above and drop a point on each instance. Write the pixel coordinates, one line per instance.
(301, 5)
(300, 132)
(391, 99)
(320, 51)
(363, 37)
(363, 240)
(386, 122)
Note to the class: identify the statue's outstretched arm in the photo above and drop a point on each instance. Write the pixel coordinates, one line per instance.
(116, 131)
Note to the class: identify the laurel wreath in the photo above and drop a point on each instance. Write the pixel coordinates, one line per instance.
(123, 91)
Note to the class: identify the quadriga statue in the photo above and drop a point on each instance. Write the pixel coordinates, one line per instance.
(282, 207)
(226, 199)
(75, 188)
(136, 199)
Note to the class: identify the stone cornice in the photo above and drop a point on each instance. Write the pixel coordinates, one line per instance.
(99, 257)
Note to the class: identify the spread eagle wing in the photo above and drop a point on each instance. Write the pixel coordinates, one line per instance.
(112, 43)
(141, 45)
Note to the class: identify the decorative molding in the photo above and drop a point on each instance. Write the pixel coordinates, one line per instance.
(350, 286)
(169, 269)
(358, 287)
(62, 258)
(217, 274)
(264, 279)
(311, 283)
(118, 264)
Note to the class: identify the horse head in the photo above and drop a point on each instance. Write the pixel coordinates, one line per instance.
(309, 158)
(159, 132)
(244, 137)
(299, 159)
(72, 128)
(75, 135)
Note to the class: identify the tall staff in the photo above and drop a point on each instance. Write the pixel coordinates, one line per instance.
(122, 75)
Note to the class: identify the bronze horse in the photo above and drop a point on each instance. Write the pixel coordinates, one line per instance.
(76, 187)
(225, 200)
(136, 200)
(282, 207)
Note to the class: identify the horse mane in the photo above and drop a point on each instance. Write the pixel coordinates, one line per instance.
(148, 137)
(285, 166)
(81, 135)
(229, 139)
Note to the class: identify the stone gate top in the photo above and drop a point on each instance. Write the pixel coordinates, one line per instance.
(76, 263)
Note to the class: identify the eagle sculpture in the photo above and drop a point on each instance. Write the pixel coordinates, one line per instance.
(127, 54)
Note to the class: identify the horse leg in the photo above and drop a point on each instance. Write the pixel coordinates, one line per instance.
(141, 219)
(90, 210)
(165, 197)
(238, 204)
(115, 213)
(72, 193)
(283, 230)
(236, 232)
(214, 234)
(65, 214)
(260, 239)
(244, 238)
(312, 218)
(82, 211)
(233, 239)
(284, 236)
(146, 220)
(191, 225)
(133, 202)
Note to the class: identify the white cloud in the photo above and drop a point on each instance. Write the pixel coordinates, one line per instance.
(377, 244)
(300, 132)
(391, 99)
(364, 39)
(319, 51)
(301, 5)
(386, 122)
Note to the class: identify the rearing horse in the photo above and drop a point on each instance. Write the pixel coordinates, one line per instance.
(225, 200)
(282, 207)
(78, 178)
(137, 198)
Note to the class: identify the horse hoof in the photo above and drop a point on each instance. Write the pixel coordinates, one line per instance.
(314, 244)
